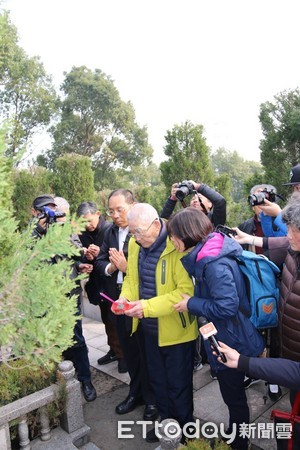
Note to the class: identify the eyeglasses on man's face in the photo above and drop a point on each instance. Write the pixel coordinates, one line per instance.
(113, 212)
(139, 232)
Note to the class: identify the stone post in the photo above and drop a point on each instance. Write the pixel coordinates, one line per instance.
(72, 417)
(171, 433)
(5, 443)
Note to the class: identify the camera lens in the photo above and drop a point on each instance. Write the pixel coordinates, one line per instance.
(257, 199)
(182, 192)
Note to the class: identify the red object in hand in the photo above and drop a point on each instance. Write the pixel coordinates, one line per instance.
(120, 308)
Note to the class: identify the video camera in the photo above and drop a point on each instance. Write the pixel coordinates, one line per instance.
(184, 188)
(50, 215)
(259, 198)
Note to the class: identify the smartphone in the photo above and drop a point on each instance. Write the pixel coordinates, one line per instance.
(225, 230)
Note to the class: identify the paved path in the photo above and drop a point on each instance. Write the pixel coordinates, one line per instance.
(208, 404)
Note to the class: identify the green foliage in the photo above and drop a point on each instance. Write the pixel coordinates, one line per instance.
(8, 44)
(28, 184)
(74, 179)
(280, 147)
(238, 212)
(36, 312)
(17, 382)
(223, 185)
(256, 178)
(188, 156)
(144, 182)
(22, 381)
(231, 164)
(27, 96)
(96, 123)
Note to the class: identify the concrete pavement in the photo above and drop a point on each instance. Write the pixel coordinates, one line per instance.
(112, 388)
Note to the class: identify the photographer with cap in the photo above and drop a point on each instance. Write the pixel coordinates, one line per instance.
(49, 210)
(44, 202)
(204, 197)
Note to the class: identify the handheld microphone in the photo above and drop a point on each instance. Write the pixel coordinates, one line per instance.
(208, 332)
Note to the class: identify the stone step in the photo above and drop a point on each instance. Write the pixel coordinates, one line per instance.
(61, 440)
(89, 446)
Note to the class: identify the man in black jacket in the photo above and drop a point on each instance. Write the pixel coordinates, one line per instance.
(92, 240)
(112, 264)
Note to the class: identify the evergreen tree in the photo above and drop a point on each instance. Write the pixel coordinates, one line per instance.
(280, 146)
(36, 311)
(188, 156)
(74, 179)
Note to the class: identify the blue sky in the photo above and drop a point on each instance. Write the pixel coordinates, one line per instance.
(212, 62)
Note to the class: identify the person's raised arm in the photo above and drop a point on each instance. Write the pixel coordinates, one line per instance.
(170, 204)
(244, 238)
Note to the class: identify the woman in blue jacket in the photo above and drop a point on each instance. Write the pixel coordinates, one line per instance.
(220, 296)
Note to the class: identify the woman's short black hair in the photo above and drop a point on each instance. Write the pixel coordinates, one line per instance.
(190, 225)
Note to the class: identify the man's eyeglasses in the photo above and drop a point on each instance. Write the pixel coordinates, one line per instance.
(138, 232)
(113, 212)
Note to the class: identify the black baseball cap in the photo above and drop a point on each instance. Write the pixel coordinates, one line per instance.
(295, 176)
(43, 200)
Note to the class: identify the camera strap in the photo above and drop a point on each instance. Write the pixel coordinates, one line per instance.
(202, 205)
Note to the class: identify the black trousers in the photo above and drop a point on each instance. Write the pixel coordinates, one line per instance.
(231, 384)
(133, 348)
(78, 354)
(171, 376)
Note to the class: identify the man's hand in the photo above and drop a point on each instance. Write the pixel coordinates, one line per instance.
(270, 208)
(43, 223)
(174, 189)
(232, 355)
(136, 310)
(196, 185)
(117, 258)
(182, 306)
(92, 252)
(85, 268)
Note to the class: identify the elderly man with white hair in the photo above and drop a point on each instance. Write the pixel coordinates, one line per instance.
(154, 282)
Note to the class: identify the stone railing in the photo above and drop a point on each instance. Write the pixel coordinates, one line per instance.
(71, 420)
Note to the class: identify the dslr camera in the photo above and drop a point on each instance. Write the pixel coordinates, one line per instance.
(50, 215)
(184, 188)
(259, 198)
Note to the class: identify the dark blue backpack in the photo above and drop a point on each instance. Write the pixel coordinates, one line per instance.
(262, 279)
